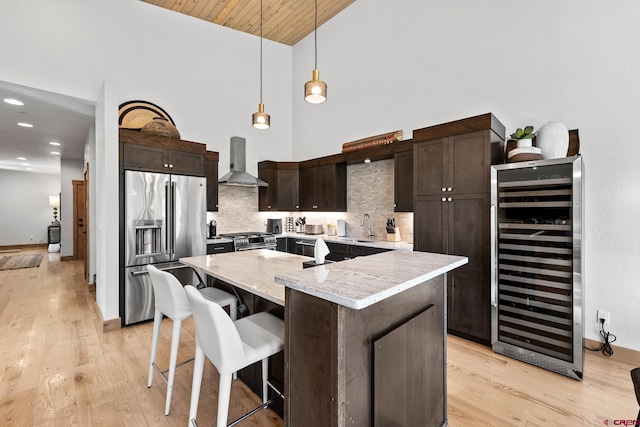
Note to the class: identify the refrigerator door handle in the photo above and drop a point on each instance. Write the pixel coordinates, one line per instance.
(494, 257)
(172, 224)
(169, 217)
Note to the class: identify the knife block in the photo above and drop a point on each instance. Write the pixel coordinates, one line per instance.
(394, 237)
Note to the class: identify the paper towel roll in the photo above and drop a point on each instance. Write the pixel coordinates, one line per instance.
(320, 251)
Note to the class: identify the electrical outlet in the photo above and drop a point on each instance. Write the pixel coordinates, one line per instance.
(603, 315)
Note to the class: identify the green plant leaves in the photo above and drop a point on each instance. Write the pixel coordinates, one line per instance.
(526, 133)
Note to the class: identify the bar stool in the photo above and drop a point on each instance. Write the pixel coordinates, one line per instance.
(171, 301)
(231, 346)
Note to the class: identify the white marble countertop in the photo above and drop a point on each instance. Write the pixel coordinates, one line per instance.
(363, 281)
(253, 271)
(384, 244)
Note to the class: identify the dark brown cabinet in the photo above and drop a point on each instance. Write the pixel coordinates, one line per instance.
(154, 153)
(154, 159)
(282, 194)
(403, 182)
(211, 172)
(457, 164)
(324, 188)
(452, 212)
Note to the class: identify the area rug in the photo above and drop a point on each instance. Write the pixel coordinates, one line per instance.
(20, 261)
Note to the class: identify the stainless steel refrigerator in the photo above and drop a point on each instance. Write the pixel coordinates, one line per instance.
(164, 220)
(537, 280)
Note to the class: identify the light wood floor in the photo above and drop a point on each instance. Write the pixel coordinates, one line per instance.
(57, 368)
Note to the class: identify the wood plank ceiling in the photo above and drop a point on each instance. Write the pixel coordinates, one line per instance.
(284, 21)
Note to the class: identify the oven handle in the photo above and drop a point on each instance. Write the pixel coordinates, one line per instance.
(270, 247)
(300, 242)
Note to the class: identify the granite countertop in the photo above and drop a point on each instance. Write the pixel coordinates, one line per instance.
(363, 281)
(384, 244)
(253, 271)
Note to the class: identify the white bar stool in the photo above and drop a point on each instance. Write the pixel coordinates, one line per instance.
(171, 301)
(231, 346)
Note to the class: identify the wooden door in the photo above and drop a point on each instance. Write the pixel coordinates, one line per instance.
(87, 246)
(468, 230)
(307, 189)
(403, 182)
(288, 190)
(268, 196)
(469, 306)
(211, 172)
(79, 220)
(429, 164)
(469, 158)
(429, 229)
(326, 187)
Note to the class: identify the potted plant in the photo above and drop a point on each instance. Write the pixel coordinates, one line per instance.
(523, 137)
(331, 229)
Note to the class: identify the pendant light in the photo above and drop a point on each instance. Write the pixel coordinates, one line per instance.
(260, 120)
(315, 90)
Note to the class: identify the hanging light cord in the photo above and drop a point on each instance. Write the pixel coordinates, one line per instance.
(260, 51)
(315, 36)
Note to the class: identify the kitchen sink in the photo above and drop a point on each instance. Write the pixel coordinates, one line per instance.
(355, 239)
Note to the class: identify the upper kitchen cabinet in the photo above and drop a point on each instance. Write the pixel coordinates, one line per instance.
(455, 157)
(282, 194)
(155, 153)
(403, 182)
(211, 172)
(323, 188)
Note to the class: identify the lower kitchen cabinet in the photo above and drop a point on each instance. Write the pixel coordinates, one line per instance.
(282, 243)
(459, 225)
(338, 251)
(357, 250)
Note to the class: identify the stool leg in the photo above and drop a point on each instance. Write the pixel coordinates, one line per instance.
(233, 311)
(224, 395)
(175, 343)
(157, 322)
(198, 368)
(265, 377)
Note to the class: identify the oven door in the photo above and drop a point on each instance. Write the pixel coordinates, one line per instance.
(306, 248)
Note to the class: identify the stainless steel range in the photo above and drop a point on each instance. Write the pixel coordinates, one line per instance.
(252, 240)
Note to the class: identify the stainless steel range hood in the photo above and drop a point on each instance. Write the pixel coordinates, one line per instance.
(238, 169)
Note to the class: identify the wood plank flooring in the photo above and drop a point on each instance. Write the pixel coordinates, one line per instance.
(57, 368)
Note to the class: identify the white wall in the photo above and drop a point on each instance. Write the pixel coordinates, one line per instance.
(70, 170)
(90, 159)
(25, 210)
(410, 64)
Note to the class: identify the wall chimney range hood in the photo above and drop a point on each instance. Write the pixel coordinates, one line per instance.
(238, 168)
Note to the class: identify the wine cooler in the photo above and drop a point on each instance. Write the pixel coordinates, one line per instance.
(536, 263)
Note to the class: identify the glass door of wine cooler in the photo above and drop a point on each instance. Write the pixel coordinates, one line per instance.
(536, 263)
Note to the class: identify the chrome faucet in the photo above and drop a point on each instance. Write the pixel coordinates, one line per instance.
(369, 233)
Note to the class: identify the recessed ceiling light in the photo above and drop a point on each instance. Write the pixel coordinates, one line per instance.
(21, 158)
(25, 125)
(54, 143)
(28, 169)
(55, 152)
(26, 164)
(13, 101)
(367, 160)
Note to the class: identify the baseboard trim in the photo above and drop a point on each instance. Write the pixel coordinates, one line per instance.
(108, 325)
(67, 258)
(29, 246)
(91, 287)
(622, 354)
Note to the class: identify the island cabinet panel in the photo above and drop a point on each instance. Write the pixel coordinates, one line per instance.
(393, 404)
(403, 182)
(324, 188)
(329, 377)
(211, 172)
(282, 194)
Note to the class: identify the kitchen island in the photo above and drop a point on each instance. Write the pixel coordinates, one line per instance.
(364, 338)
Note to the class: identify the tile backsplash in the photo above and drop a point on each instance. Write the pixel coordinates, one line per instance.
(369, 190)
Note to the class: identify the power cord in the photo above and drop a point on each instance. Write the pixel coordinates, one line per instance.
(608, 338)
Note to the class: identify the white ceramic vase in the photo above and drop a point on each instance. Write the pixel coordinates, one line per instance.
(553, 140)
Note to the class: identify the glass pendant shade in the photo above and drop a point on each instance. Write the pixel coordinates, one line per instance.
(315, 90)
(261, 120)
